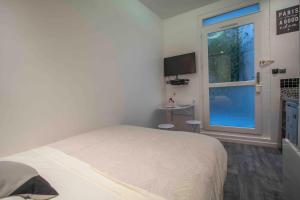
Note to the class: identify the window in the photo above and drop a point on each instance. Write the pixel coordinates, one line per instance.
(231, 54)
(232, 14)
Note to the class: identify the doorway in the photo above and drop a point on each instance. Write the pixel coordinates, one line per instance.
(233, 88)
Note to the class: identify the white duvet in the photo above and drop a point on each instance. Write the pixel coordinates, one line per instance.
(173, 165)
(76, 180)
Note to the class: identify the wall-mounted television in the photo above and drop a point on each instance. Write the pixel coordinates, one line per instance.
(182, 64)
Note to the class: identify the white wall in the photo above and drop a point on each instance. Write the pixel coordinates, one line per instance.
(69, 66)
(182, 35)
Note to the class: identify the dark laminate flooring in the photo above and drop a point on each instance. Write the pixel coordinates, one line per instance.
(254, 173)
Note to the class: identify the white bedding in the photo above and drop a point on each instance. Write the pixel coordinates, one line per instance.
(173, 165)
(76, 180)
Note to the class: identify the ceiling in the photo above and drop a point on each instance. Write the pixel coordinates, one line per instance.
(171, 8)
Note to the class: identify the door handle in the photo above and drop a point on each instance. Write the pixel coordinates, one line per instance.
(264, 63)
(258, 85)
(258, 78)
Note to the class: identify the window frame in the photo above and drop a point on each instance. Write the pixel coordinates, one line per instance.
(208, 21)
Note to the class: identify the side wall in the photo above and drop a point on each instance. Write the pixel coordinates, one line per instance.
(182, 35)
(70, 66)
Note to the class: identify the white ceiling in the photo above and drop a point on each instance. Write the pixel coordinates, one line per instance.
(170, 8)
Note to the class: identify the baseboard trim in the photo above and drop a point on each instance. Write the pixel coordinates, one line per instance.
(251, 140)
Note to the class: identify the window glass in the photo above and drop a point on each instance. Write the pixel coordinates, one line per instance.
(232, 14)
(232, 106)
(231, 55)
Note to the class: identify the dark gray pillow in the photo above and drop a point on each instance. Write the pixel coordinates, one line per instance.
(17, 179)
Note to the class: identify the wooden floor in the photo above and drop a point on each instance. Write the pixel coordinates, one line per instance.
(254, 173)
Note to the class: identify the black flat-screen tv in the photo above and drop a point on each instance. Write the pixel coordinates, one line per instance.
(183, 64)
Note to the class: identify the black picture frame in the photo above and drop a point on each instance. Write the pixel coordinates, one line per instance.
(287, 20)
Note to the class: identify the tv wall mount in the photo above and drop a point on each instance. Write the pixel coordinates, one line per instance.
(178, 81)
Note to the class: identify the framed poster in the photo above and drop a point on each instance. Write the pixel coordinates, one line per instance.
(287, 20)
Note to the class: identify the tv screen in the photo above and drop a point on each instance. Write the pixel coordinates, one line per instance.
(183, 64)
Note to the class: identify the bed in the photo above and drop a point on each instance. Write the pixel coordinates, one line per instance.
(132, 163)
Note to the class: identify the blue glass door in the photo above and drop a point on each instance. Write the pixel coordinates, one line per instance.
(231, 77)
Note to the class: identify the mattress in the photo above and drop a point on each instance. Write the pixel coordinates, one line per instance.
(172, 165)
